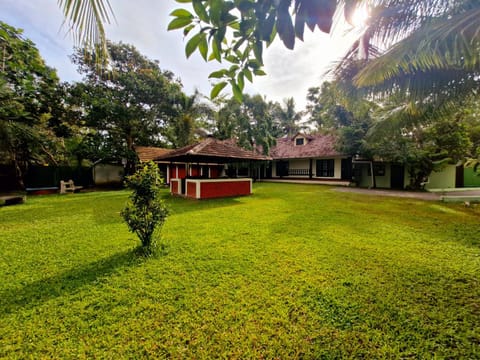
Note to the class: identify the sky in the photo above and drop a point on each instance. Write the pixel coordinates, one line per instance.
(143, 23)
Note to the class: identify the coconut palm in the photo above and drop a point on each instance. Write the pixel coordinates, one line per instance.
(86, 19)
(289, 117)
(431, 49)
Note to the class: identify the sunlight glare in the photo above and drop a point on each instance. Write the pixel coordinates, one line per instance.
(360, 17)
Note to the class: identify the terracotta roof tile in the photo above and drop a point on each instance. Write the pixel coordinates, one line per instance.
(316, 146)
(213, 148)
(147, 153)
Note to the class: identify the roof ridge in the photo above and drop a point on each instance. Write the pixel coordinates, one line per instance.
(200, 146)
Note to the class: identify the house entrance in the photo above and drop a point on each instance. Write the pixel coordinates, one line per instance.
(346, 169)
(397, 174)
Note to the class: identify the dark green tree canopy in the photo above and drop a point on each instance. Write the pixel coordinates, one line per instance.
(30, 104)
(128, 99)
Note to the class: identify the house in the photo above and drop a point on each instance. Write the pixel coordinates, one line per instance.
(388, 175)
(211, 168)
(310, 157)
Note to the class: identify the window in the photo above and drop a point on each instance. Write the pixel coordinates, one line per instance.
(299, 141)
(325, 168)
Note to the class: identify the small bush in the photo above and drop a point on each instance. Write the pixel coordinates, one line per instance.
(145, 211)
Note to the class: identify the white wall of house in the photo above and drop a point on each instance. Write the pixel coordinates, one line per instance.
(305, 164)
(382, 181)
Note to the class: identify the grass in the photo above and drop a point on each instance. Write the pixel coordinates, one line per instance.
(294, 271)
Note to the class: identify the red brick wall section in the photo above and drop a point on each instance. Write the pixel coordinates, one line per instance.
(192, 190)
(210, 190)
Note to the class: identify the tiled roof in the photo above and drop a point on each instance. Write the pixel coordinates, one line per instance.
(147, 153)
(316, 146)
(213, 148)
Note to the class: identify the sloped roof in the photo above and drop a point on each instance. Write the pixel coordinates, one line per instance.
(211, 150)
(147, 153)
(316, 146)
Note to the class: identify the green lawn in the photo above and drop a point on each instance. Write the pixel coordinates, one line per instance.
(294, 271)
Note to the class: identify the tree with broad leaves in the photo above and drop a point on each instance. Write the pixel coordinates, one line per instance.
(30, 105)
(127, 99)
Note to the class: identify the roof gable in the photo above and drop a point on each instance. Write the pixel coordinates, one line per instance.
(315, 146)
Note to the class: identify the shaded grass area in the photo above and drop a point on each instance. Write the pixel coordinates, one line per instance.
(294, 271)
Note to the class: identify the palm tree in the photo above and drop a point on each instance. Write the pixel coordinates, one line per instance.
(289, 117)
(86, 19)
(192, 116)
(428, 50)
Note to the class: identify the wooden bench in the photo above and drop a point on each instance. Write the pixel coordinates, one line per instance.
(69, 186)
(12, 199)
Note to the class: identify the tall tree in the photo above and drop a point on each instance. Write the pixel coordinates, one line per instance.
(289, 117)
(192, 115)
(28, 89)
(129, 100)
(253, 122)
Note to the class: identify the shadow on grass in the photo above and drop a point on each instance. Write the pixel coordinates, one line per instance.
(40, 291)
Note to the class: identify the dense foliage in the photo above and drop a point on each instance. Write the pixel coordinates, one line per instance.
(128, 99)
(31, 109)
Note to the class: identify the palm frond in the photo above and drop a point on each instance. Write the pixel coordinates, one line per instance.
(86, 19)
(450, 44)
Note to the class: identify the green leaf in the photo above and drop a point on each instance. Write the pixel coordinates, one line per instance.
(178, 23)
(187, 29)
(216, 8)
(216, 50)
(181, 13)
(192, 44)
(217, 74)
(248, 74)
(183, 1)
(203, 47)
(216, 89)
(237, 93)
(234, 25)
(200, 10)
(258, 51)
(241, 81)
(259, 72)
(232, 59)
(285, 27)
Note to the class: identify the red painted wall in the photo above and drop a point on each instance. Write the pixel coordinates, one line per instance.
(215, 172)
(191, 190)
(223, 189)
(174, 187)
(181, 172)
(195, 171)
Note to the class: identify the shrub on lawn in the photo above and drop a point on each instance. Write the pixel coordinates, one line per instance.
(145, 211)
